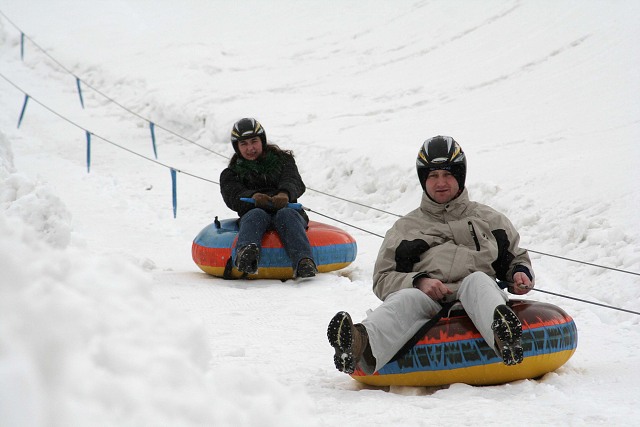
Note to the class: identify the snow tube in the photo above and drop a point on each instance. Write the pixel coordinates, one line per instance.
(332, 248)
(453, 351)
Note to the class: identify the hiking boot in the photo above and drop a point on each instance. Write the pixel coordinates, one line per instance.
(349, 341)
(507, 331)
(247, 259)
(306, 268)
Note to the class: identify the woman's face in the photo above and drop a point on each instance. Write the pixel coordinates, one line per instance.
(250, 149)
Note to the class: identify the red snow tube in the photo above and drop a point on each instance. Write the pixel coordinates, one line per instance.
(332, 249)
(453, 351)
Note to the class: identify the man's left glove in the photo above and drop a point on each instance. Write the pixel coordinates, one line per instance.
(280, 200)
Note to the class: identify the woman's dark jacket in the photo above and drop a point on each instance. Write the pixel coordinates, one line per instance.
(272, 173)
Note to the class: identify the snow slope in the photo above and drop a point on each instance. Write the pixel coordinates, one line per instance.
(106, 320)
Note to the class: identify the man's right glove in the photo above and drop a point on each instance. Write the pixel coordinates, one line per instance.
(262, 200)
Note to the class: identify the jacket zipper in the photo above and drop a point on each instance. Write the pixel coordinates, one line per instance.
(473, 233)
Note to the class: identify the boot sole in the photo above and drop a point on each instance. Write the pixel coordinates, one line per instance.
(305, 274)
(248, 261)
(508, 328)
(340, 338)
(512, 355)
(305, 269)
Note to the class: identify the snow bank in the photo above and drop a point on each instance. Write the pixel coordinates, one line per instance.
(82, 339)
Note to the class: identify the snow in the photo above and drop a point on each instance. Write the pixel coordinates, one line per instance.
(104, 318)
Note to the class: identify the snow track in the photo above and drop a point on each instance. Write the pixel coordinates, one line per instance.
(103, 314)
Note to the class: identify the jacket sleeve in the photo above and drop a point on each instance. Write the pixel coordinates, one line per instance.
(398, 259)
(290, 180)
(511, 257)
(232, 190)
(386, 279)
(521, 262)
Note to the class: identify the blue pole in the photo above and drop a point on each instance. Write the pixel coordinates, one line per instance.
(24, 107)
(88, 150)
(80, 92)
(174, 189)
(152, 128)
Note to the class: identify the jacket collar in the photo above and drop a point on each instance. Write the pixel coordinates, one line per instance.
(455, 207)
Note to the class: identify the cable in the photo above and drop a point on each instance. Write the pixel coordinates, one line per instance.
(226, 157)
(355, 203)
(584, 262)
(105, 95)
(586, 301)
(103, 138)
(532, 251)
(67, 70)
(307, 209)
(342, 222)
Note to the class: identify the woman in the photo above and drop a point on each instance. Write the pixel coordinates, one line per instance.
(270, 176)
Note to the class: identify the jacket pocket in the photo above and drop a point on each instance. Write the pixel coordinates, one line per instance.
(472, 230)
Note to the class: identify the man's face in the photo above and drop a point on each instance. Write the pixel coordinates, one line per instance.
(442, 186)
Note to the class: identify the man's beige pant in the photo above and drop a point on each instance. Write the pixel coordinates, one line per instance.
(404, 312)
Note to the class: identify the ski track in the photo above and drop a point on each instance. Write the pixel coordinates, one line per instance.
(175, 344)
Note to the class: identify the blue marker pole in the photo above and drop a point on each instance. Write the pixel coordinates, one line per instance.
(80, 92)
(88, 150)
(174, 189)
(152, 128)
(24, 107)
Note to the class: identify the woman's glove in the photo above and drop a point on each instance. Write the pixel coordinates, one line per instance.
(262, 200)
(280, 200)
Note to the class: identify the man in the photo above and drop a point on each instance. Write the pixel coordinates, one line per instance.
(448, 249)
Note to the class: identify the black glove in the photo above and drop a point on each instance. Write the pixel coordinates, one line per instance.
(280, 200)
(262, 200)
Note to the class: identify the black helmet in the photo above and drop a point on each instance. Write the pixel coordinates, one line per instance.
(441, 152)
(245, 129)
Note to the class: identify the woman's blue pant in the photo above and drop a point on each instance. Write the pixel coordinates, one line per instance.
(289, 224)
